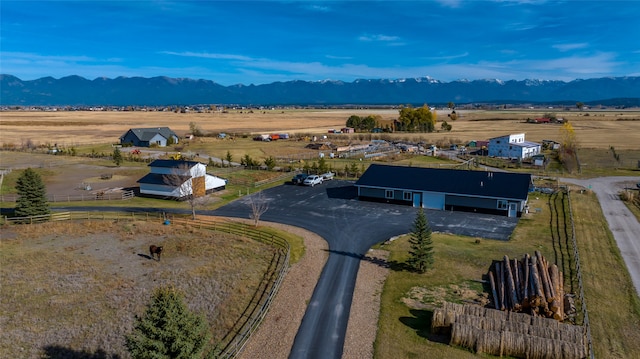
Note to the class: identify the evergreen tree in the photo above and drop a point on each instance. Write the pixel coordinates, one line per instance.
(353, 169)
(117, 157)
(322, 165)
(421, 245)
(168, 329)
(229, 158)
(270, 162)
(32, 195)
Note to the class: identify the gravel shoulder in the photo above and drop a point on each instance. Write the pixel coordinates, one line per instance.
(278, 330)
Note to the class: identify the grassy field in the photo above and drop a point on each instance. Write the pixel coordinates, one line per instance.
(614, 308)
(408, 298)
(75, 287)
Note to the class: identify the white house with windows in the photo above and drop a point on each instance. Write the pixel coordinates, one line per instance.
(513, 146)
(177, 179)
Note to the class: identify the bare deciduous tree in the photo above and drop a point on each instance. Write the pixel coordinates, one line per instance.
(259, 205)
(189, 184)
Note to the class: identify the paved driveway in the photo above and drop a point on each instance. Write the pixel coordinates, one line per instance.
(350, 227)
(622, 223)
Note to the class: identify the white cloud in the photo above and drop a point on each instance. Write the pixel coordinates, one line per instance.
(338, 57)
(319, 8)
(378, 37)
(8, 57)
(448, 57)
(569, 47)
(450, 3)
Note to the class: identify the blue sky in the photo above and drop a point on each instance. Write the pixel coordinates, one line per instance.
(257, 42)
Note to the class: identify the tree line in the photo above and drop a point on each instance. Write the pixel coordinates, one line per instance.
(410, 119)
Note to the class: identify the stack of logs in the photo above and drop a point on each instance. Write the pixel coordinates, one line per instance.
(529, 285)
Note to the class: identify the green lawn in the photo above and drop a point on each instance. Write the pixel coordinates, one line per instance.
(408, 298)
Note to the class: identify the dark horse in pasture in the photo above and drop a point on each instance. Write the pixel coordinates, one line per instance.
(155, 250)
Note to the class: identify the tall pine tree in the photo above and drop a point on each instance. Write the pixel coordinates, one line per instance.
(168, 329)
(32, 195)
(421, 245)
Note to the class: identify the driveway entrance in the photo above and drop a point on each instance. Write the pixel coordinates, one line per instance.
(350, 227)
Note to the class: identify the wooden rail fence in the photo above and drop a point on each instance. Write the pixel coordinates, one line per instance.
(236, 339)
(111, 196)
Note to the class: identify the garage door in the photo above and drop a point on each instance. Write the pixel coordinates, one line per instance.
(433, 200)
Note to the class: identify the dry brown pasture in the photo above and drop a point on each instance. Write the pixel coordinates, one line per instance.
(594, 129)
(70, 289)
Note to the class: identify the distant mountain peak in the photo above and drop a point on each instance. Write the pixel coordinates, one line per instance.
(161, 90)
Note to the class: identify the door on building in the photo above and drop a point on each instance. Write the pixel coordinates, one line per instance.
(417, 199)
(513, 209)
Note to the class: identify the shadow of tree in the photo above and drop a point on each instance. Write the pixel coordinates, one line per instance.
(421, 323)
(60, 352)
(393, 265)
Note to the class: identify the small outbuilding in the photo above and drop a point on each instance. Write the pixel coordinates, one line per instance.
(500, 193)
(146, 137)
(176, 179)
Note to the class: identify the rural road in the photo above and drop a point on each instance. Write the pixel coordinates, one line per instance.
(350, 228)
(622, 223)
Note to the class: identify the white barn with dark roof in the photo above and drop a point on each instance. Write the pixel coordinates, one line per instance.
(178, 180)
(501, 193)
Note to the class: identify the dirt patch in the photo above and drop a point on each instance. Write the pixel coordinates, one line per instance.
(73, 176)
(430, 298)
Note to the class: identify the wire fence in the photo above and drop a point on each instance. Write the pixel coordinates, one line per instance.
(576, 256)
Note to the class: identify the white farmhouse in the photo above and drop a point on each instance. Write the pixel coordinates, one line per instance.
(177, 179)
(513, 146)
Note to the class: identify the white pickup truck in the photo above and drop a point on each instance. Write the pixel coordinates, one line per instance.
(327, 176)
(312, 180)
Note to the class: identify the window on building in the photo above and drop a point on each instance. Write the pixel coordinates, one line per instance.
(502, 204)
(407, 196)
(388, 193)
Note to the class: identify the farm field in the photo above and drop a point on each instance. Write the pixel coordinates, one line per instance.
(594, 129)
(597, 133)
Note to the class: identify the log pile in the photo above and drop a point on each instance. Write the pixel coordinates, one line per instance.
(529, 285)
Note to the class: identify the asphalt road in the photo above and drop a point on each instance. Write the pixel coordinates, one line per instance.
(622, 223)
(350, 227)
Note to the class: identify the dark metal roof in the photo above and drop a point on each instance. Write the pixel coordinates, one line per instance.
(472, 183)
(163, 179)
(172, 163)
(146, 134)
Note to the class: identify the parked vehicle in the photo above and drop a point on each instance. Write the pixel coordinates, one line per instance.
(327, 176)
(638, 184)
(312, 180)
(299, 178)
